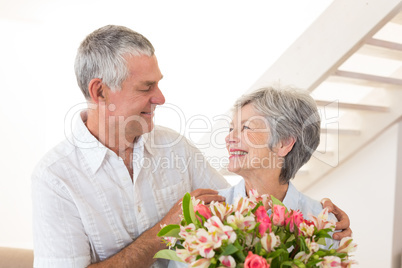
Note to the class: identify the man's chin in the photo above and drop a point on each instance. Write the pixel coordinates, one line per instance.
(149, 128)
(138, 130)
(145, 131)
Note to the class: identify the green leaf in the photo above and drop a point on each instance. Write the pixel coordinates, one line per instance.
(200, 217)
(287, 264)
(321, 253)
(239, 254)
(188, 210)
(276, 253)
(259, 204)
(323, 233)
(229, 250)
(303, 245)
(321, 241)
(291, 238)
(294, 263)
(167, 254)
(312, 263)
(258, 247)
(172, 230)
(299, 263)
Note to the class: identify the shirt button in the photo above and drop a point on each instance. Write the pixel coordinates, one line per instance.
(139, 208)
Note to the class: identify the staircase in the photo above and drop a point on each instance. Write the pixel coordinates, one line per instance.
(350, 60)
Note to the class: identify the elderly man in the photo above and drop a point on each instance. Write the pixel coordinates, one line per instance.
(100, 196)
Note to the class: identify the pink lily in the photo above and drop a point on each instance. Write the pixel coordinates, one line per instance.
(270, 241)
(330, 262)
(228, 261)
(346, 245)
(201, 263)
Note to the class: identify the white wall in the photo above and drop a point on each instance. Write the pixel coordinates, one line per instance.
(364, 187)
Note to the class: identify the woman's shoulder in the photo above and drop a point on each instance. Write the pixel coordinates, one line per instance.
(307, 205)
(310, 207)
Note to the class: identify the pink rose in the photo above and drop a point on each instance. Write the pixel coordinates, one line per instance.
(279, 215)
(203, 210)
(263, 218)
(298, 217)
(295, 218)
(261, 213)
(264, 226)
(255, 261)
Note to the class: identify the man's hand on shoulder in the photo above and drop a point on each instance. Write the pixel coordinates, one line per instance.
(343, 219)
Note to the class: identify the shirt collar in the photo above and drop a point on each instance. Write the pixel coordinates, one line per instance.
(291, 199)
(93, 150)
(146, 142)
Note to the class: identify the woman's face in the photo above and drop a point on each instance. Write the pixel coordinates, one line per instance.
(247, 143)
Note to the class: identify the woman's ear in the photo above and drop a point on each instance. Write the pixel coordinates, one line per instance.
(285, 146)
(97, 90)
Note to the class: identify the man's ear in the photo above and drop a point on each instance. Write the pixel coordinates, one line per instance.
(97, 90)
(285, 146)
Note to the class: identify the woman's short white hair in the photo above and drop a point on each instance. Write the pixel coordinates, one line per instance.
(290, 112)
(103, 54)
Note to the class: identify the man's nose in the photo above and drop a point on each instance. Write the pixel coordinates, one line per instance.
(158, 97)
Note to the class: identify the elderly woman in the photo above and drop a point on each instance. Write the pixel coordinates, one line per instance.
(273, 134)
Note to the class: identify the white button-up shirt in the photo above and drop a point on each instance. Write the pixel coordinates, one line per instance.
(86, 208)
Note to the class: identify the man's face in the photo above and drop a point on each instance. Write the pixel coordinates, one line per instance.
(132, 108)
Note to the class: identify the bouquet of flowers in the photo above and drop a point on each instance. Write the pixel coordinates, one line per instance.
(245, 235)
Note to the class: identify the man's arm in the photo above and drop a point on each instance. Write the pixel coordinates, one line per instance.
(140, 252)
(343, 219)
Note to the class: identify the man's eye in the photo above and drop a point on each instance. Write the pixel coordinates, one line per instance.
(146, 89)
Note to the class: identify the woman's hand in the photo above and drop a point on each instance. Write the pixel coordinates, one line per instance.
(343, 219)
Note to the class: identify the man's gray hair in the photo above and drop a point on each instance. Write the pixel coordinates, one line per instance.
(289, 113)
(102, 55)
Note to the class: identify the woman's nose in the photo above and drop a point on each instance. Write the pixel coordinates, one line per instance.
(232, 137)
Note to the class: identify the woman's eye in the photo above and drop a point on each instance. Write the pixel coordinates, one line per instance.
(243, 128)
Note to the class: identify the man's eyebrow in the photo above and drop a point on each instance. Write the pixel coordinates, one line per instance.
(150, 83)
